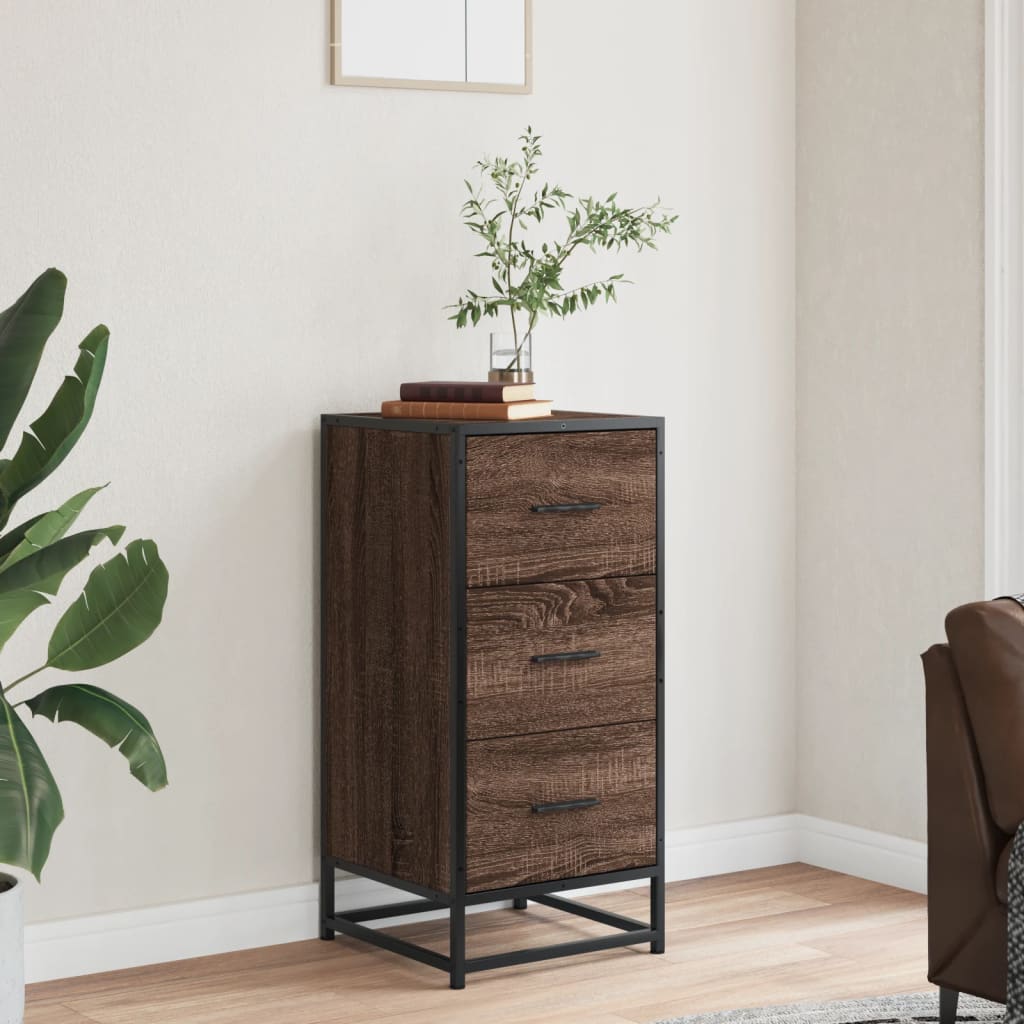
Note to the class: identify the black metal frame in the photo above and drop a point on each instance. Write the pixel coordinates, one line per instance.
(457, 965)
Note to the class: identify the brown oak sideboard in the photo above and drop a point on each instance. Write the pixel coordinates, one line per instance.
(492, 674)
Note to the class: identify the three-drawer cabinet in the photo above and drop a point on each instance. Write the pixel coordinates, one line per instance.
(492, 670)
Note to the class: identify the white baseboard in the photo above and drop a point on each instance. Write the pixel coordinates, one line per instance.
(132, 938)
(877, 856)
(733, 846)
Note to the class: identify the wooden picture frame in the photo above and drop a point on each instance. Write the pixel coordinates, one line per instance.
(341, 76)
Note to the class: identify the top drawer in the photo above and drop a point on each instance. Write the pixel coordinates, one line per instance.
(516, 531)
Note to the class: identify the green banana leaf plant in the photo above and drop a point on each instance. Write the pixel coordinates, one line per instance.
(119, 607)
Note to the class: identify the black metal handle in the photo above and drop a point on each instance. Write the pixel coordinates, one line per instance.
(578, 506)
(567, 805)
(565, 656)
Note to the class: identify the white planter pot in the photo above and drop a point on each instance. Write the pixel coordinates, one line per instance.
(12, 953)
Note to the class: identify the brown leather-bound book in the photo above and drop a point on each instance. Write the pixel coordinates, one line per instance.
(464, 391)
(466, 410)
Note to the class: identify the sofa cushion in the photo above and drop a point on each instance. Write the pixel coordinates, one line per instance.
(986, 640)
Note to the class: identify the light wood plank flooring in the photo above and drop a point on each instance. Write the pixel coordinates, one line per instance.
(777, 935)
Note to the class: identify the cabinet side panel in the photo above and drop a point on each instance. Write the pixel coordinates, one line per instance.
(386, 593)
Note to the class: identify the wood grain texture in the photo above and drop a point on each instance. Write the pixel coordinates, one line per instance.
(507, 474)
(507, 844)
(507, 693)
(751, 939)
(386, 649)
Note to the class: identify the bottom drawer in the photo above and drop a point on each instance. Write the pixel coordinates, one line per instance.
(517, 834)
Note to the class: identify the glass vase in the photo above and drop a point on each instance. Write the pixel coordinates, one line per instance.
(511, 358)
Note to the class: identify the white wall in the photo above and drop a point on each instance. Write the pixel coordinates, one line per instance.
(264, 248)
(890, 286)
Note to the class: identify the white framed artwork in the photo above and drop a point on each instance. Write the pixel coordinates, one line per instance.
(475, 45)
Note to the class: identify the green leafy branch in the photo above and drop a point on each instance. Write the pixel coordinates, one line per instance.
(119, 607)
(527, 280)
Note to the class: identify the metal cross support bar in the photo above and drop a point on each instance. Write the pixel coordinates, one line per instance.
(528, 956)
(393, 910)
(389, 942)
(543, 888)
(592, 913)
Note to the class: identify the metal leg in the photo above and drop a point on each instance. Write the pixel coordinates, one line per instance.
(658, 913)
(519, 903)
(948, 1000)
(457, 945)
(326, 897)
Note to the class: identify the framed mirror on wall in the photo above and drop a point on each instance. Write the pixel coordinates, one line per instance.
(474, 45)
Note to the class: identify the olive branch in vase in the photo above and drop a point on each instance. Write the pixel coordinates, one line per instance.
(528, 280)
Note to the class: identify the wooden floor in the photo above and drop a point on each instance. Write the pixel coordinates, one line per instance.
(773, 936)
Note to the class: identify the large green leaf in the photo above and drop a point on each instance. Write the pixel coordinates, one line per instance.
(15, 608)
(46, 568)
(24, 329)
(30, 803)
(121, 605)
(13, 537)
(113, 720)
(45, 446)
(47, 528)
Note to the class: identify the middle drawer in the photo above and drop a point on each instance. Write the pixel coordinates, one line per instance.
(550, 656)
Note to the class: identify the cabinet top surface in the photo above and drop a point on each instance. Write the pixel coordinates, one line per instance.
(558, 421)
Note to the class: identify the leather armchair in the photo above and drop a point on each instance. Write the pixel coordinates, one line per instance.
(974, 689)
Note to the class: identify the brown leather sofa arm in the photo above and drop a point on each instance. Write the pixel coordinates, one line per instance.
(966, 921)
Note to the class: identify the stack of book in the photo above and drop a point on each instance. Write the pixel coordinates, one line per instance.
(466, 400)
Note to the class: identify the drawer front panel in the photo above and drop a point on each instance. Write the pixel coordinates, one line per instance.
(560, 655)
(511, 843)
(560, 506)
